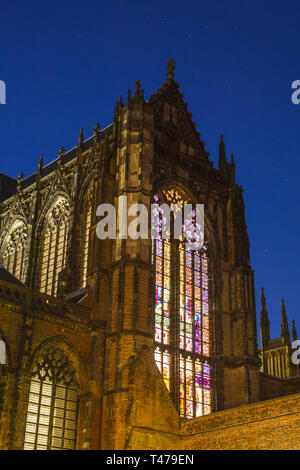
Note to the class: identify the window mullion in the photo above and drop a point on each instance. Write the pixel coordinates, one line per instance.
(52, 407)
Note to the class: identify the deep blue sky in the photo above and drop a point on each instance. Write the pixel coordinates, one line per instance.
(66, 63)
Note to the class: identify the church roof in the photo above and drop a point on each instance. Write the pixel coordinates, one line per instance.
(7, 276)
(76, 296)
(8, 185)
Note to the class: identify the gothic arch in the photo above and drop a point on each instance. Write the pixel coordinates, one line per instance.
(13, 249)
(90, 179)
(51, 201)
(193, 353)
(54, 396)
(53, 231)
(66, 346)
(9, 225)
(179, 184)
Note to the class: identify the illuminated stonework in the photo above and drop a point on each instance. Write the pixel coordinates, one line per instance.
(14, 249)
(142, 344)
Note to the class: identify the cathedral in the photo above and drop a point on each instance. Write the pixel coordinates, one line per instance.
(136, 343)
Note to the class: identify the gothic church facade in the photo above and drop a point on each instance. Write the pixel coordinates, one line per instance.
(133, 343)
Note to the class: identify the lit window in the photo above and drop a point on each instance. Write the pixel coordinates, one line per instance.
(51, 419)
(53, 255)
(13, 254)
(86, 238)
(182, 319)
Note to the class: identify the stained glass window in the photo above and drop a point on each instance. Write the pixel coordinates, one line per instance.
(13, 253)
(51, 418)
(54, 248)
(162, 292)
(188, 314)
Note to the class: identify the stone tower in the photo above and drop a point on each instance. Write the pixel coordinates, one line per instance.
(99, 298)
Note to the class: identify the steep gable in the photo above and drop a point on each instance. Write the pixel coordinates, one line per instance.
(173, 123)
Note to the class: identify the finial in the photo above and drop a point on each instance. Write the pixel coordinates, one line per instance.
(284, 323)
(170, 68)
(60, 154)
(222, 155)
(97, 132)
(137, 86)
(20, 179)
(121, 101)
(40, 165)
(232, 170)
(80, 138)
(263, 299)
(264, 321)
(294, 331)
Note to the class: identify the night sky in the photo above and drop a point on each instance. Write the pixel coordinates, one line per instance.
(66, 63)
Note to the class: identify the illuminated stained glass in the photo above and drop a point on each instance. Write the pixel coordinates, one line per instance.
(162, 359)
(162, 305)
(192, 320)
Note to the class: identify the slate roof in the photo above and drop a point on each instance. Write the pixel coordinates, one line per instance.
(8, 186)
(7, 276)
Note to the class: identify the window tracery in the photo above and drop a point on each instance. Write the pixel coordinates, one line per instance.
(13, 255)
(182, 345)
(54, 246)
(51, 418)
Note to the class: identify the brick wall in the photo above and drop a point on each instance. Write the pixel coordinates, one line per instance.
(272, 424)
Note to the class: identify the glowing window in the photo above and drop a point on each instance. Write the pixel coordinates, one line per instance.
(13, 254)
(86, 238)
(53, 255)
(182, 319)
(51, 418)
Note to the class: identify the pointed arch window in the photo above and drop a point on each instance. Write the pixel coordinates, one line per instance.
(182, 323)
(51, 419)
(86, 236)
(54, 246)
(14, 249)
